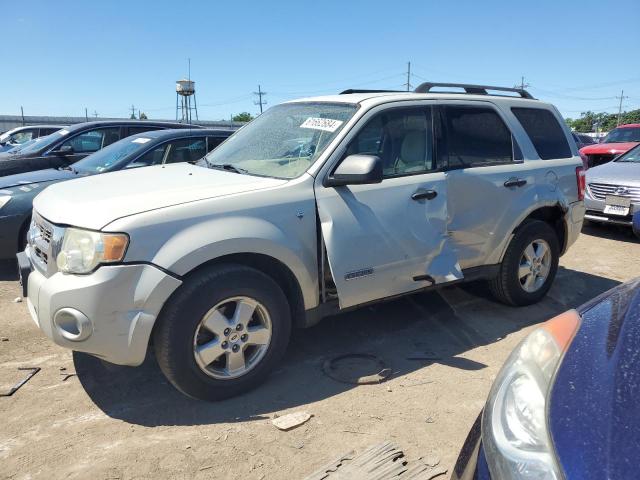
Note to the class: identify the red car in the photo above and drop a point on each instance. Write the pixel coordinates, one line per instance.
(618, 141)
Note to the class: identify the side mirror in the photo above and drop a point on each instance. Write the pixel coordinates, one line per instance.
(64, 150)
(356, 170)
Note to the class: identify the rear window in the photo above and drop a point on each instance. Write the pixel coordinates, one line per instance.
(545, 132)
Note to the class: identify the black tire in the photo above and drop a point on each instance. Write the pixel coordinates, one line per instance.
(506, 286)
(176, 326)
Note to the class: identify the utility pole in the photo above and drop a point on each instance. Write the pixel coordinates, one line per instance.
(95, 114)
(522, 85)
(133, 112)
(260, 101)
(22, 114)
(621, 97)
(86, 115)
(408, 84)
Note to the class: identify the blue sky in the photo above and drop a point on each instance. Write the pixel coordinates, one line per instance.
(63, 56)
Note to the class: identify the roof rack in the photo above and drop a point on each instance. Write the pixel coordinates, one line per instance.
(471, 89)
(357, 90)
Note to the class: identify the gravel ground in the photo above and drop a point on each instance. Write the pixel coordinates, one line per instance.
(110, 422)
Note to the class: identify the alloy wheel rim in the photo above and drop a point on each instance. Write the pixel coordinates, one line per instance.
(232, 338)
(535, 265)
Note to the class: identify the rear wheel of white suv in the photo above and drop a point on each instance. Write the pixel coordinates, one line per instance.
(529, 265)
(223, 332)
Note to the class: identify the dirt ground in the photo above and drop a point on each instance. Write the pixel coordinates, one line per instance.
(113, 422)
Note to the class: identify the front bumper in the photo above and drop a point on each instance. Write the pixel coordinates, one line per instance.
(109, 313)
(595, 213)
(472, 463)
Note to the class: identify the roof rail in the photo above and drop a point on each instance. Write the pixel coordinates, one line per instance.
(357, 90)
(471, 89)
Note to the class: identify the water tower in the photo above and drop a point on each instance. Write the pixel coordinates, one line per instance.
(185, 89)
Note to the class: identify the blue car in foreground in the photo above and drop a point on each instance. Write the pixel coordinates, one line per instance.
(566, 403)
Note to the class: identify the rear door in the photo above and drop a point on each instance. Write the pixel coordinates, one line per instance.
(389, 238)
(488, 183)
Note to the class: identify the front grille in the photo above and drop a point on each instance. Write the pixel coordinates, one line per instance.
(595, 160)
(600, 190)
(43, 239)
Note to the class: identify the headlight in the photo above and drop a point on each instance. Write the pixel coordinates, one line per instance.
(84, 250)
(514, 425)
(4, 199)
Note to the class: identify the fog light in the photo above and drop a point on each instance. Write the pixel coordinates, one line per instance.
(72, 324)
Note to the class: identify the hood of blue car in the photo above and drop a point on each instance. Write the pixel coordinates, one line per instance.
(38, 176)
(594, 408)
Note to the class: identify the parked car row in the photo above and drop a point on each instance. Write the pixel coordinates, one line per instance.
(153, 147)
(70, 144)
(216, 261)
(618, 141)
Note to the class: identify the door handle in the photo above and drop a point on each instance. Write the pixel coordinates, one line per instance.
(515, 182)
(422, 193)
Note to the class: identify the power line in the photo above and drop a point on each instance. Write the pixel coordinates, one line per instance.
(260, 101)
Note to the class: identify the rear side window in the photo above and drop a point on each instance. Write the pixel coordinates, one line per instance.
(213, 142)
(545, 132)
(475, 137)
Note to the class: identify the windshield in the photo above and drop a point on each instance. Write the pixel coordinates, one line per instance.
(632, 156)
(43, 142)
(620, 135)
(107, 158)
(282, 142)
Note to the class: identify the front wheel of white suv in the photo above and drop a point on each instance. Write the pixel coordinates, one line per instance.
(529, 265)
(223, 332)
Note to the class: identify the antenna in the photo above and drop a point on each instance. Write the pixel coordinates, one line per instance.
(185, 89)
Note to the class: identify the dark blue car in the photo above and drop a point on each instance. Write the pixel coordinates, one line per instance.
(566, 404)
(149, 148)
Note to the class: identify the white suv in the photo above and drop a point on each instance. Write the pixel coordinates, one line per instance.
(317, 206)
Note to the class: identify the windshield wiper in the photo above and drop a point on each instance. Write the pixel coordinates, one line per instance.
(227, 167)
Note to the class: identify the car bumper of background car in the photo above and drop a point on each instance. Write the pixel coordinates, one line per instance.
(595, 213)
(10, 226)
(109, 313)
(472, 463)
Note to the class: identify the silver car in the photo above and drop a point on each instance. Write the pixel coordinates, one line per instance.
(613, 190)
(317, 206)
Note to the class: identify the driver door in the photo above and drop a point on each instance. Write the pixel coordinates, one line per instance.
(389, 238)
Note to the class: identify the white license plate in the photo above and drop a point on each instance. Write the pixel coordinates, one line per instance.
(616, 205)
(616, 210)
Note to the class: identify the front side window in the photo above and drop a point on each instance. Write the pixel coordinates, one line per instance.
(93, 140)
(402, 138)
(186, 150)
(545, 132)
(284, 141)
(475, 137)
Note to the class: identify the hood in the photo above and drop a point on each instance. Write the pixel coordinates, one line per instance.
(594, 412)
(608, 148)
(95, 201)
(38, 176)
(617, 173)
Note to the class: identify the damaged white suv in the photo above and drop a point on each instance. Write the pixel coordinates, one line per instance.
(317, 206)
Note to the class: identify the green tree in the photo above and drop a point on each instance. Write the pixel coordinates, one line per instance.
(242, 117)
(143, 116)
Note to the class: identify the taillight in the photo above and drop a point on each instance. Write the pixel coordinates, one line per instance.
(585, 160)
(582, 182)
